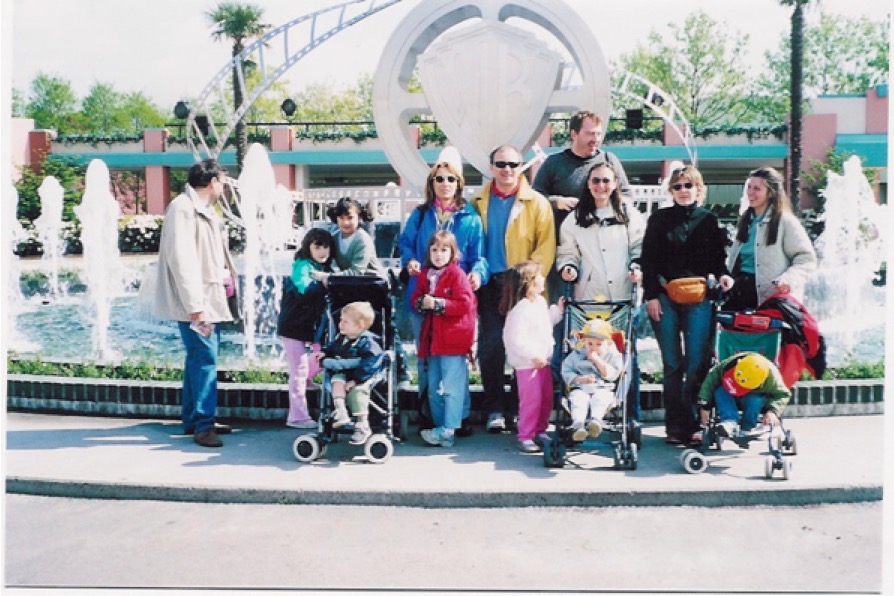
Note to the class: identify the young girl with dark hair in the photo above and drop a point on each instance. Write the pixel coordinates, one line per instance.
(300, 316)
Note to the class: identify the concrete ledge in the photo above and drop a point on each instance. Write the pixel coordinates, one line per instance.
(242, 401)
(441, 499)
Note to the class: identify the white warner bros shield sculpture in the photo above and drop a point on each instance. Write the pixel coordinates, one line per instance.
(487, 82)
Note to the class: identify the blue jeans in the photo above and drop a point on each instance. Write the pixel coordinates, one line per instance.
(416, 320)
(199, 396)
(685, 364)
(448, 378)
(491, 351)
(728, 407)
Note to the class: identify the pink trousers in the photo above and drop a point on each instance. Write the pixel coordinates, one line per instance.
(535, 400)
(302, 366)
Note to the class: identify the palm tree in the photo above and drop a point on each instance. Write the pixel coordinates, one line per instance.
(797, 87)
(237, 22)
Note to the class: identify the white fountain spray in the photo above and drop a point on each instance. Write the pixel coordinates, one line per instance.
(49, 229)
(14, 234)
(266, 212)
(850, 251)
(99, 213)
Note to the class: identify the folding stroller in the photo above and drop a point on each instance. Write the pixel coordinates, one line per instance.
(624, 435)
(735, 333)
(380, 446)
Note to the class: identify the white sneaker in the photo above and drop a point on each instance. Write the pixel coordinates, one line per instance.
(758, 431)
(728, 428)
(594, 428)
(432, 436)
(496, 423)
(340, 418)
(361, 434)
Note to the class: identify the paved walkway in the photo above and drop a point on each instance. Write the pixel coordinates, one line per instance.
(839, 460)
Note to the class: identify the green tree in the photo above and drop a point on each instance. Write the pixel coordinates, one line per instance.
(238, 23)
(699, 66)
(69, 174)
(141, 112)
(842, 55)
(53, 105)
(102, 110)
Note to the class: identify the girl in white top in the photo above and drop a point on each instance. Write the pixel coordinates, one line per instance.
(528, 337)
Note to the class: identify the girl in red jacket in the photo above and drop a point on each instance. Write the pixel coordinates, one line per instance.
(445, 298)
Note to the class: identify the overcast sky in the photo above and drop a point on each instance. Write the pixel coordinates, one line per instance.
(163, 48)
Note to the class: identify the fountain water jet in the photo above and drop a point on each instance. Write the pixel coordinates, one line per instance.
(11, 268)
(49, 228)
(850, 251)
(98, 213)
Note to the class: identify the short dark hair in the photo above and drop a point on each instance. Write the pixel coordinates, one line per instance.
(577, 120)
(201, 174)
(344, 206)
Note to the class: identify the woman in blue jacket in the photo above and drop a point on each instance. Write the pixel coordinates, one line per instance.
(444, 208)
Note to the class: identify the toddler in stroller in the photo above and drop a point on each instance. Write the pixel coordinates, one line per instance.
(590, 372)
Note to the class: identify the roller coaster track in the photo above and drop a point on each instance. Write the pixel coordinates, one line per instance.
(273, 54)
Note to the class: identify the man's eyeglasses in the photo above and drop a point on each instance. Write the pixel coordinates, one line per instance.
(450, 179)
(602, 180)
(502, 164)
(686, 185)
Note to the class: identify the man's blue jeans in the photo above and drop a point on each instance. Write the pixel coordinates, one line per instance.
(199, 399)
(684, 363)
(728, 407)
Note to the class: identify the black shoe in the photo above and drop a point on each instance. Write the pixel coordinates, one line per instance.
(465, 430)
(220, 429)
(208, 438)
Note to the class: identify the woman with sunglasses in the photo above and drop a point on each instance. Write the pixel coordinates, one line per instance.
(599, 249)
(446, 209)
(683, 240)
(772, 252)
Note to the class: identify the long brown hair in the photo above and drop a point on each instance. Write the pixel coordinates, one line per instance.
(519, 278)
(430, 185)
(777, 204)
(585, 211)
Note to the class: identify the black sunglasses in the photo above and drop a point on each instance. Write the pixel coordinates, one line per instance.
(686, 185)
(598, 180)
(440, 178)
(502, 164)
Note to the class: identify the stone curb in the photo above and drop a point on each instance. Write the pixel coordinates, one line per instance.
(439, 500)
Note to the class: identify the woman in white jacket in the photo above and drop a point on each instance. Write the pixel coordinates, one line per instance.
(600, 245)
(772, 252)
(600, 248)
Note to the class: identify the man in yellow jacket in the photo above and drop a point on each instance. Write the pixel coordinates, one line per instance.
(518, 226)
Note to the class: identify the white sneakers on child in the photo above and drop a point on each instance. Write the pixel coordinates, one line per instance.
(580, 431)
(362, 432)
(340, 418)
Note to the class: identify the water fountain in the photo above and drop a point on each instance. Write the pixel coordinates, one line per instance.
(101, 272)
(265, 209)
(49, 229)
(13, 293)
(850, 251)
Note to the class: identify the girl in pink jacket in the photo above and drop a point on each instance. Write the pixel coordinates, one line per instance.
(528, 337)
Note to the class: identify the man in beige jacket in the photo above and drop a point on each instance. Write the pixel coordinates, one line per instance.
(195, 278)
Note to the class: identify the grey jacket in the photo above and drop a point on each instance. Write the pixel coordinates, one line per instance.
(193, 260)
(791, 259)
(576, 364)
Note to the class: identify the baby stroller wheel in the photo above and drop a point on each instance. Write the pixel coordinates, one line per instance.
(635, 434)
(378, 449)
(694, 462)
(633, 457)
(790, 443)
(769, 465)
(553, 454)
(787, 469)
(307, 448)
